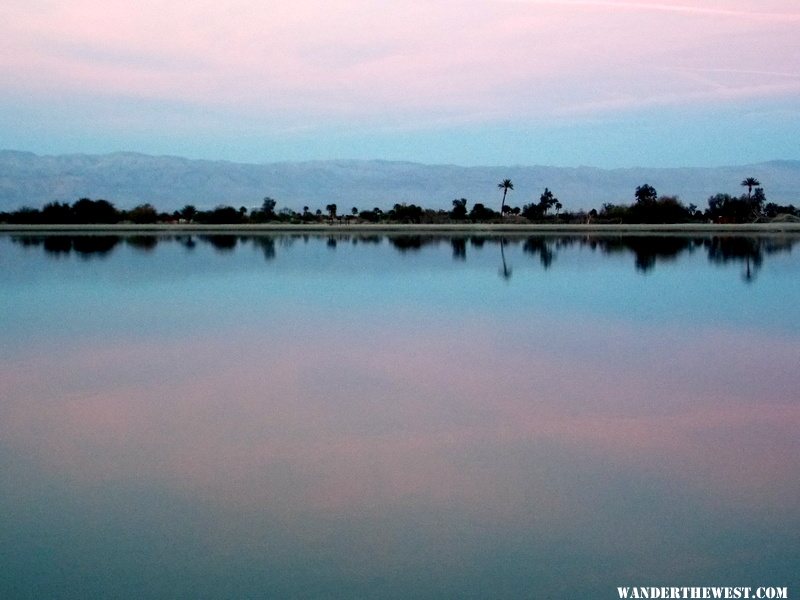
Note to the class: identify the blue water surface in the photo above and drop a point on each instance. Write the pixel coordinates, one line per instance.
(350, 416)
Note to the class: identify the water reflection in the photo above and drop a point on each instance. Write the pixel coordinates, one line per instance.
(459, 248)
(85, 246)
(267, 245)
(541, 247)
(404, 243)
(146, 243)
(505, 271)
(222, 243)
(385, 420)
(647, 251)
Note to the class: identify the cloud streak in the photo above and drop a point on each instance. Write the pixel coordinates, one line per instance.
(672, 8)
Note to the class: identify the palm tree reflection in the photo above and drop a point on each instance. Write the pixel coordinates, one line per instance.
(505, 271)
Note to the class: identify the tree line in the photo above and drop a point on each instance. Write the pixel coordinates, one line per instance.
(647, 207)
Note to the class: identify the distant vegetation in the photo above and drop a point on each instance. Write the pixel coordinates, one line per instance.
(647, 207)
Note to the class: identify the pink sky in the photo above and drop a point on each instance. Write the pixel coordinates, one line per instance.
(283, 69)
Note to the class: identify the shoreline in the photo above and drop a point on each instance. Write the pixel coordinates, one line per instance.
(451, 228)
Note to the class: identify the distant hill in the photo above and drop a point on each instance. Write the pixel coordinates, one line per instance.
(169, 183)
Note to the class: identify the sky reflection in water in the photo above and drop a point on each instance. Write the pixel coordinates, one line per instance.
(344, 416)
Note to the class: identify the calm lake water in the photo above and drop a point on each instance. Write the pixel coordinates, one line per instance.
(397, 417)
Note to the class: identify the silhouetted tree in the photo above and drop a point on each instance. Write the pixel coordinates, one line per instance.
(406, 213)
(505, 185)
(55, 212)
(144, 213)
(480, 213)
(94, 211)
(369, 215)
(646, 194)
(772, 210)
(757, 202)
(750, 183)
(221, 215)
(331, 208)
(546, 201)
(532, 211)
(188, 212)
(724, 208)
(459, 211)
(268, 208)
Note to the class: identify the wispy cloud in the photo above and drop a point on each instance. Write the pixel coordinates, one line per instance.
(691, 9)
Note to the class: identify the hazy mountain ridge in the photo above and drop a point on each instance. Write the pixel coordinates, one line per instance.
(169, 182)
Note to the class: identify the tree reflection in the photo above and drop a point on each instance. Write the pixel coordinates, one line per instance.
(459, 245)
(647, 250)
(723, 250)
(505, 270)
(221, 243)
(187, 241)
(57, 244)
(267, 245)
(94, 245)
(84, 245)
(142, 242)
(541, 247)
(404, 243)
(370, 239)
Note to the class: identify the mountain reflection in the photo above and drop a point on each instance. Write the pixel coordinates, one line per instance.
(646, 251)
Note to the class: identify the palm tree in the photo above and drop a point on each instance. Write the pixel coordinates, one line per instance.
(331, 208)
(750, 183)
(505, 185)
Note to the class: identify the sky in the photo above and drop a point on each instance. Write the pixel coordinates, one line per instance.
(607, 83)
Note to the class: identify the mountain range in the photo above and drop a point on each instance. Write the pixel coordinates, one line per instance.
(169, 182)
